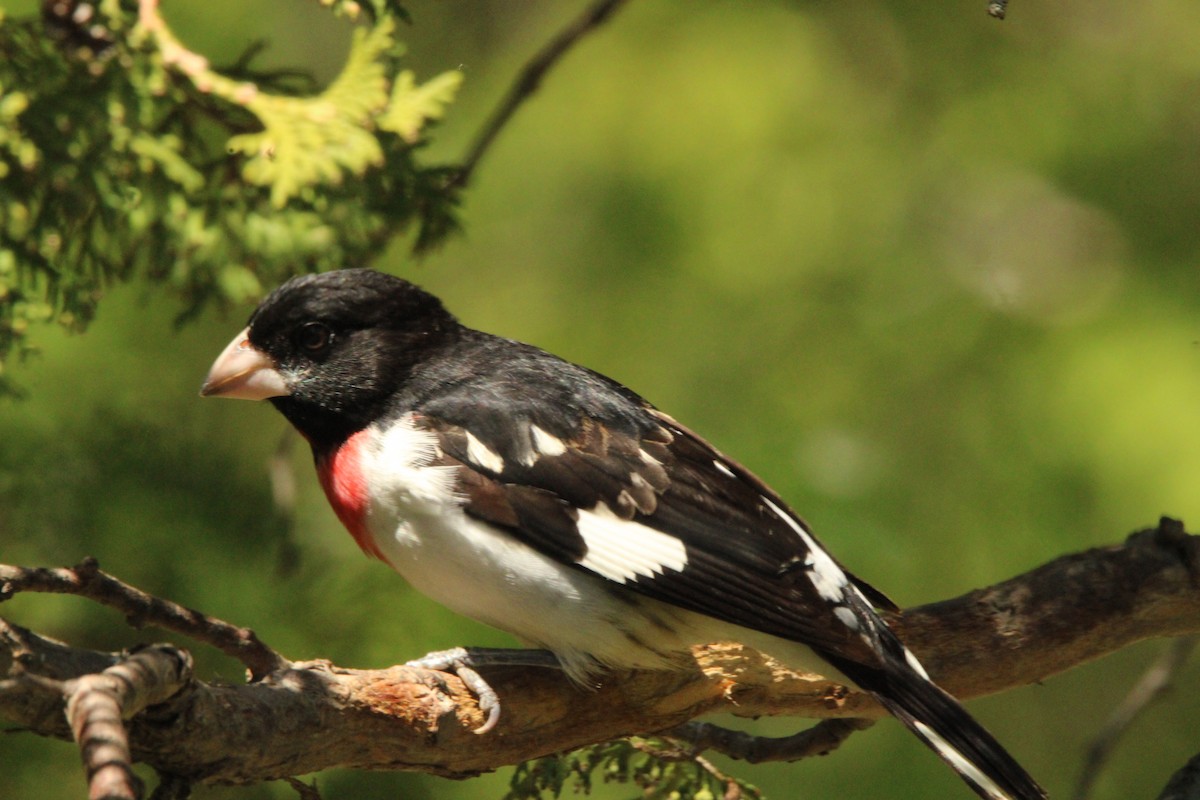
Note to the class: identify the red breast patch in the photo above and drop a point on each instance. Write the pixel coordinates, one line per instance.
(342, 478)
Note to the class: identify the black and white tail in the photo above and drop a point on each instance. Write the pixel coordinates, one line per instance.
(902, 686)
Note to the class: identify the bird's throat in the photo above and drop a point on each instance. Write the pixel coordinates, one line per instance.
(342, 478)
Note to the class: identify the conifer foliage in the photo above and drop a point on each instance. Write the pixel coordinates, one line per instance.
(124, 154)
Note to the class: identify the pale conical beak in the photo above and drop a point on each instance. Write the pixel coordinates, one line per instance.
(245, 373)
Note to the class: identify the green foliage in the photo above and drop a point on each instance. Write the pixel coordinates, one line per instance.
(123, 154)
(654, 765)
(310, 141)
(412, 105)
(866, 248)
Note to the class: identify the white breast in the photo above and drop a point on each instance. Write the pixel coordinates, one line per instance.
(484, 573)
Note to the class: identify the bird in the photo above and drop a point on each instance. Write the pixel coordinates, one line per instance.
(550, 501)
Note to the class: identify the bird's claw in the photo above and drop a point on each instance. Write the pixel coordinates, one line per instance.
(463, 663)
(458, 660)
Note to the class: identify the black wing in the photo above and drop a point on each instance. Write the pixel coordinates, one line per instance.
(539, 466)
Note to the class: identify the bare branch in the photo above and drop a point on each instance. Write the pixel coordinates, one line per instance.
(1065, 613)
(307, 791)
(171, 787)
(39, 669)
(312, 716)
(97, 704)
(141, 609)
(530, 78)
(34, 654)
(819, 740)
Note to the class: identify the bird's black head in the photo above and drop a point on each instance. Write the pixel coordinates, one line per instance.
(331, 350)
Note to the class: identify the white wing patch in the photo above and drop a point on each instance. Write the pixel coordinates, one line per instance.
(622, 550)
(826, 576)
(847, 616)
(483, 455)
(547, 444)
(649, 459)
(724, 470)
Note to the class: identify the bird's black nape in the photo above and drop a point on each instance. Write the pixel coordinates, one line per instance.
(345, 342)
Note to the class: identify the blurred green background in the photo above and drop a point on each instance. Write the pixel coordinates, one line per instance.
(934, 277)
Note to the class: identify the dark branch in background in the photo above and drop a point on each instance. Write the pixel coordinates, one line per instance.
(305, 717)
(171, 787)
(307, 791)
(141, 609)
(819, 740)
(1154, 682)
(529, 79)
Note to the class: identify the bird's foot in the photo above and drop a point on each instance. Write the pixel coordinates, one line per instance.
(463, 663)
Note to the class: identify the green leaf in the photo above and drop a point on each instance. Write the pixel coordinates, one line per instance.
(164, 151)
(312, 140)
(240, 284)
(411, 105)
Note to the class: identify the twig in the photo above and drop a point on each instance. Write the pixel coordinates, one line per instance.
(529, 79)
(682, 752)
(1154, 682)
(97, 705)
(141, 609)
(171, 787)
(31, 683)
(47, 657)
(733, 789)
(307, 791)
(819, 740)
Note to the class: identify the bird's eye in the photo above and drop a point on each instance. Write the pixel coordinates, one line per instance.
(314, 336)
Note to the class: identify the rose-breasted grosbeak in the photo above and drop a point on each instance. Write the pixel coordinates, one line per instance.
(552, 502)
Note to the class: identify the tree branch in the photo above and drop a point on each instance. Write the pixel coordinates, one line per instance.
(306, 717)
(1068, 612)
(96, 704)
(140, 609)
(530, 78)
(819, 740)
